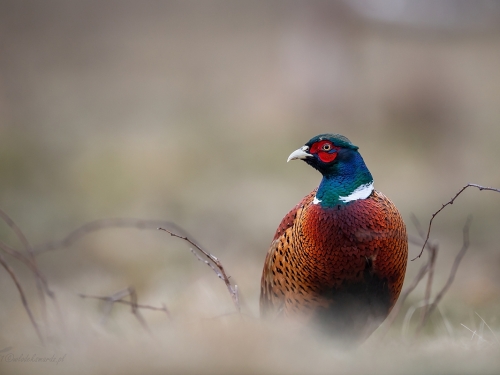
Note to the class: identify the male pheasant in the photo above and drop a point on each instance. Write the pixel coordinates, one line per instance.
(338, 258)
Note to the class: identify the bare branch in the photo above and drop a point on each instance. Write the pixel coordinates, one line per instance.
(216, 266)
(402, 298)
(420, 275)
(15, 229)
(453, 270)
(135, 308)
(447, 204)
(13, 276)
(125, 302)
(433, 250)
(118, 298)
(110, 302)
(15, 253)
(29, 263)
(219, 275)
(40, 283)
(428, 267)
(98, 225)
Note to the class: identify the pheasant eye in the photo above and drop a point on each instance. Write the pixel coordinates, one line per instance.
(327, 147)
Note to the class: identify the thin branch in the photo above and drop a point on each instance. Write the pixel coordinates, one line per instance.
(40, 284)
(110, 302)
(453, 270)
(219, 275)
(23, 296)
(15, 229)
(218, 268)
(16, 254)
(402, 298)
(447, 204)
(135, 308)
(99, 225)
(118, 298)
(433, 250)
(429, 266)
(420, 275)
(125, 302)
(29, 263)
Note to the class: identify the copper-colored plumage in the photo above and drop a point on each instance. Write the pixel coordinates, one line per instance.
(341, 267)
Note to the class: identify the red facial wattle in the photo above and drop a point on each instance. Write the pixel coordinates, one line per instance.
(325, 155)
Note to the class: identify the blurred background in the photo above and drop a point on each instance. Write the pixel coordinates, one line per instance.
(186, 111)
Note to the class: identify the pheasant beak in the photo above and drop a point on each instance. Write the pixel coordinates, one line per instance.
(301, 153)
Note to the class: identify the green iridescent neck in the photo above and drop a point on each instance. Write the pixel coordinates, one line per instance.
(346, 183)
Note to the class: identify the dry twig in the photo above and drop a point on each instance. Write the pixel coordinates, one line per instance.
(118, 298)
(433, 250)
(13, 276)
(453, 272)
(30, 261)
(98, 225)
(451, 201)
(16, 230)
(214, 263)
(402, 298)
(428, 267)
(122, 301)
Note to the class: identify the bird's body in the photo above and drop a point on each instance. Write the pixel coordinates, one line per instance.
(338, 258)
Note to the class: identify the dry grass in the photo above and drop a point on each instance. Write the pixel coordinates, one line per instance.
(238, 345)
(199, 338)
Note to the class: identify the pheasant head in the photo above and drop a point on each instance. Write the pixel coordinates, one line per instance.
(345, 175)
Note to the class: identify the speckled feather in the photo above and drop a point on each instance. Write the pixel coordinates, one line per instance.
(340, 267)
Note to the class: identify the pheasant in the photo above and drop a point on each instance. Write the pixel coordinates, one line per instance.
(338, 259)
